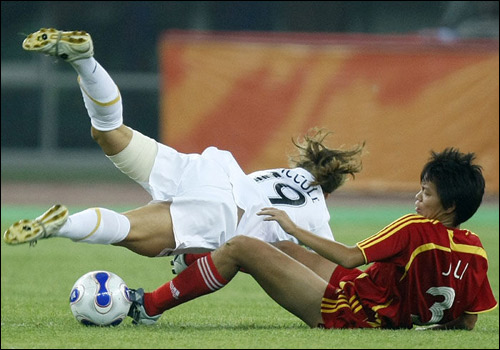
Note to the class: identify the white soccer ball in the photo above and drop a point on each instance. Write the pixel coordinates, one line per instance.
(100, 298)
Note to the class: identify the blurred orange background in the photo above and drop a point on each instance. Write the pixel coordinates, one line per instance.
(403, 95)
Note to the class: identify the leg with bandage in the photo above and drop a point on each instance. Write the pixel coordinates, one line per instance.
(146, 230)
(131, 152)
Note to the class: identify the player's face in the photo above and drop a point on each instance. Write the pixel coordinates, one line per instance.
(428, 203)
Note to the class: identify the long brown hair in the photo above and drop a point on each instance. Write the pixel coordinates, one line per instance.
(330, 167)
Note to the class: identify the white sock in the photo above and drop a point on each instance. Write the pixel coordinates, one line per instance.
(100, 94)
(96, 225)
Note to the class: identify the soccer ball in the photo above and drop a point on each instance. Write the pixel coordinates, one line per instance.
(100, 298)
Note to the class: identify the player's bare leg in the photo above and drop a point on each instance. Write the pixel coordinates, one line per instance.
(146, 230)
(101, 95)
(114, 141)
(291, 284)
(321, 266)
(151, 229)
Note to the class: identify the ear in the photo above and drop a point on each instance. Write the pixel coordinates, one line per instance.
(451, 209)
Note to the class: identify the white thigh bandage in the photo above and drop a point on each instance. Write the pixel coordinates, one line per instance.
(137, 159)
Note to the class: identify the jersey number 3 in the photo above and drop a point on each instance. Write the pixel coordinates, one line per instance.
(437, 309)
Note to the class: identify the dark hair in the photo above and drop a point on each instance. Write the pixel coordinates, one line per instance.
(330, 167)
(458, 181)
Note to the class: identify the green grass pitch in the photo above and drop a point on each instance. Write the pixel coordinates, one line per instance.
(36, 283)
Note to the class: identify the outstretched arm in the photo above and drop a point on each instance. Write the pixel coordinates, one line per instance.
(348, 257)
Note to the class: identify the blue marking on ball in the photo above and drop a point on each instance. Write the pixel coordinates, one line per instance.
(103, 299)
(75, 294)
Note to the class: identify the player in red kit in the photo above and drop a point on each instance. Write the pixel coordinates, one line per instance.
(425, 269)
(405, 252)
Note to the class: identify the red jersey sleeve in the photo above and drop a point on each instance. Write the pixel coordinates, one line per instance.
(389, 241)
(485, 300)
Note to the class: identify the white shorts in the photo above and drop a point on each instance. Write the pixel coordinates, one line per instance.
(204, 212)
(205, 190)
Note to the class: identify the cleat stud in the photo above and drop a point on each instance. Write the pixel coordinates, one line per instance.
(45, 37)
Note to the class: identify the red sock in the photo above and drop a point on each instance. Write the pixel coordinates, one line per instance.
(197, 280)
(191, 258)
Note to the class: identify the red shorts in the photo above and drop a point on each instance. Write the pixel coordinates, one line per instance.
(341, 307)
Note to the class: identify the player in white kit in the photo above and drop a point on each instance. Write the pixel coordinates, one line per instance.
(199, 201)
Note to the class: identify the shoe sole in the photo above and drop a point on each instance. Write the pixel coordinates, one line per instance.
(46, 38)
(25, 231)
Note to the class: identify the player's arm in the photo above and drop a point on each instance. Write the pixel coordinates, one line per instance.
(465, 321)
(348, 257)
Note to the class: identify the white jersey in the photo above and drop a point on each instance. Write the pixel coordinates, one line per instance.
(206, 191)
(291, 190)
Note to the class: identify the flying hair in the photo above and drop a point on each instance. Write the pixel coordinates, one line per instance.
(330, 167)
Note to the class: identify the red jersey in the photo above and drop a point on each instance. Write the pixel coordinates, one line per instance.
(423, 273)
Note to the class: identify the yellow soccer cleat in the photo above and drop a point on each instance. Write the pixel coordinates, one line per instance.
(70, 46)
(44, 226)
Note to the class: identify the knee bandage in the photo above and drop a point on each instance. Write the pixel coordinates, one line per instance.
(137, 159)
